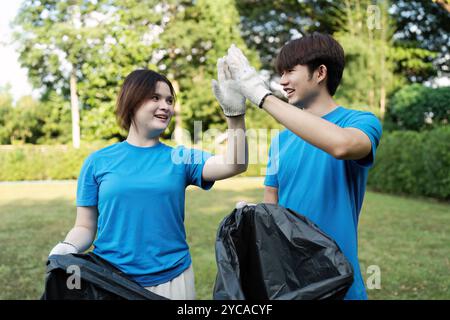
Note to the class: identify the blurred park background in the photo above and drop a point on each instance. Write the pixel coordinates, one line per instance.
(75, 54)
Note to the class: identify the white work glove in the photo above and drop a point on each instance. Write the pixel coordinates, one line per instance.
(62, 249)
(230, 99)
(250, 84)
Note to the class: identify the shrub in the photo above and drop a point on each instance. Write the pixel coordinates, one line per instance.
(417, 107)
(42, 162)
(415, 163)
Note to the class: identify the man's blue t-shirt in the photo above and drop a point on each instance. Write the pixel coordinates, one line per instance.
(140, 193)
(328, 191)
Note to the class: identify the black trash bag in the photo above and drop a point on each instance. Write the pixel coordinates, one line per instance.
(267, 252)
(99, 280)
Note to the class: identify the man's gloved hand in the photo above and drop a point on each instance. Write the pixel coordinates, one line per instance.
(225, 89)
(63, 248)
(250, 84)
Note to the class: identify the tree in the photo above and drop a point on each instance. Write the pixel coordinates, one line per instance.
(424, 25)
(267, 25)
(6, 110)
(55, 37)
(372, 53)
(25, 124)
(366, 36)
(56, 118)
(193, 40)
(130, 44)
(81, 49)
(416, 107)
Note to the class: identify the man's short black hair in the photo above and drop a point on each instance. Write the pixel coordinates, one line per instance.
(314, 50)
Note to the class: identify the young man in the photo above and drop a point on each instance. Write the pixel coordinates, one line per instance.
(318, 165)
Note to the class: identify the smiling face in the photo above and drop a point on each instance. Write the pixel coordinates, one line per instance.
(298, 83)
(309, 65)
(154, 115)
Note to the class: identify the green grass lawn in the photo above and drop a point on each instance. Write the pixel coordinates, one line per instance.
(408, 239)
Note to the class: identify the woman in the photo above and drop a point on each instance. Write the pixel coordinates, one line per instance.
(131, 194)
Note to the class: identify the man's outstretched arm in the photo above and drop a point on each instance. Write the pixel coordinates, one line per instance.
(341, 143)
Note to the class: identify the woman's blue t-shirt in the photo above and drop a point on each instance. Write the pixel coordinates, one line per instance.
(140, 195)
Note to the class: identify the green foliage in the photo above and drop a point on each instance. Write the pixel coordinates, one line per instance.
(416, 107)
(25, 122)
(55, 38)
(131, 40)
(192, 42)
(182, 39)
(46, 162)
(267, 26)
(31, 121)
(100, 123)
(102, 41)
(414, 163)
(28, 162)
(6, 105)
(368, 75)
(411, 62)
(54, 113)
(376, 64)
(422, 25)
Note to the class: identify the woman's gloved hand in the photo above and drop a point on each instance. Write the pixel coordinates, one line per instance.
(63, 248)
(241, 204)
(230, 99)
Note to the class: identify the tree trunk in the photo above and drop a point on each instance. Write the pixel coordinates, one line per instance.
(75, 110)
(371, 67)
(383, 66)
(350, 23)
(382, 102)
(178, 131)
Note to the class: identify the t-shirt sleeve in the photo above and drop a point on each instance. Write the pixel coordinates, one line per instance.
(369, 124)
(87, 186)
(271, 179)
(194, 162)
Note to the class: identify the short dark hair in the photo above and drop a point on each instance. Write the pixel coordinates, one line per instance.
(138, 87)
(314, 50)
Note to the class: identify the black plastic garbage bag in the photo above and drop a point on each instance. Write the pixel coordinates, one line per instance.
(267, 252)
(99, 280)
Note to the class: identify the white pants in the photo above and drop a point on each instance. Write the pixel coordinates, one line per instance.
(179, 288)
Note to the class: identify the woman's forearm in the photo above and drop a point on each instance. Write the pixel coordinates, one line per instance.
(81, 237)
(235, 159)
(237, 146)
